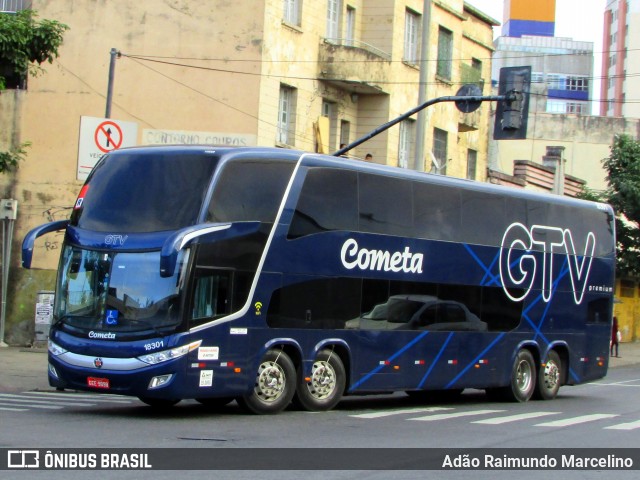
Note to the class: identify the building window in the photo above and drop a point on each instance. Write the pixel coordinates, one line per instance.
(329, 110)
(439, 151)
(351, 26)
(411, 27)
(333, 20)
(566, 107)
(472, 160)
(406, 141)
(345, 129)
(578, 83)
(537, 77)
(445, 53)
(577, 108)
(286, 115)
(556, 81)
(292, 12)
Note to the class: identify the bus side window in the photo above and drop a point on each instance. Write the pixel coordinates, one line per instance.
(211, 294)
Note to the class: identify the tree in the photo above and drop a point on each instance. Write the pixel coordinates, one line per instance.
(26, 43)
(623, 193)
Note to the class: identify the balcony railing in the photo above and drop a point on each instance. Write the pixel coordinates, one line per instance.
(351, 42)
(13, 6)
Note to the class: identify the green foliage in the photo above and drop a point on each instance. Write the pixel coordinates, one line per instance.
(26, 43)
(623, 177)
(9, 160)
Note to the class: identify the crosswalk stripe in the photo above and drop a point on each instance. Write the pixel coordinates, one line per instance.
(30, 405)
(73, 396)
(111, 397)
(400, 412)
(577, 420)
(514, 418)
(14, 409)
(22, 399)
(625, 426)
(446, 416)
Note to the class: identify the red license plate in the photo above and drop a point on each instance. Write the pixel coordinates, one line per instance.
(98, 382)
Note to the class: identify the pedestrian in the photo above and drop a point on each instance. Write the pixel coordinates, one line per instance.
(615, 336)
(343, 145)
(368, 157)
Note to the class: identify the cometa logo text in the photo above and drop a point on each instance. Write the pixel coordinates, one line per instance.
(105, 335)
(353, 256)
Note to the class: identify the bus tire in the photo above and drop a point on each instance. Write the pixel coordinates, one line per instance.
(549, 378)
(523, 378)
(159, 403)
(324, 388)
(274, 386)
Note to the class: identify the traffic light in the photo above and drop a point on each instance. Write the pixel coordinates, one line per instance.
(513, 112)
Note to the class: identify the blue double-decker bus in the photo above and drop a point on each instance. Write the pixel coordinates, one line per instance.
(272, 276)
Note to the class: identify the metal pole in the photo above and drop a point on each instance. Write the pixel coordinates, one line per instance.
(112, 71)
(428, 103)
(7, 235)
(418, 162)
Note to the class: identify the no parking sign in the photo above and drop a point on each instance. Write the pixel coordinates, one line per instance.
(99, 136)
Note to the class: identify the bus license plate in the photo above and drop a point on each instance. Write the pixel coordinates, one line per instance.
(98, 382)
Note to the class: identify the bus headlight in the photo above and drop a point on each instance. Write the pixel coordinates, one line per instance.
(55, 349)
(171, 354)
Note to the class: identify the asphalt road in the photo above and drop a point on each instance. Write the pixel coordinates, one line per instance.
(603, 414)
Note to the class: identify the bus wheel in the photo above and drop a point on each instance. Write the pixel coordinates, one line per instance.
(323, 389)
(274, 384)
(549, 378)
(523, 378)
(159, 402)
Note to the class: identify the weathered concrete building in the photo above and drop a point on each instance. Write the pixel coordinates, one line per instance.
(586, 140)
(286, 73)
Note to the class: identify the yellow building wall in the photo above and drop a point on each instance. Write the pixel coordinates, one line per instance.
(627, 309)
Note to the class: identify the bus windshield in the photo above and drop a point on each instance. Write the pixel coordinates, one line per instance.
(144, 193)
(117, 292)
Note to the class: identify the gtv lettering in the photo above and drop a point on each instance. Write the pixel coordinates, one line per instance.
(115, 239)
(353, 256)
(519, 267)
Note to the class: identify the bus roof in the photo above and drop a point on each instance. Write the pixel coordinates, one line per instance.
(323, 160)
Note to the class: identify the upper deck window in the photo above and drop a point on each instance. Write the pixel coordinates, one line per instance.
(249, 191)
(145, 192)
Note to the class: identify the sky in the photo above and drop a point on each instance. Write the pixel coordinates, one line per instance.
(576, 19)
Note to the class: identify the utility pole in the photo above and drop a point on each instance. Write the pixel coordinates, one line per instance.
(418, 163)
(8, 213)
(112, 71)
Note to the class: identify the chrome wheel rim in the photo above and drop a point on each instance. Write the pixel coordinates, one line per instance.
(551, 375)
(523, 376)
(270, 382)
(322, 382)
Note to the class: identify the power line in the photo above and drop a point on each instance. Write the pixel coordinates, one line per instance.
(140, 59)
(199, 92)
(84, 82)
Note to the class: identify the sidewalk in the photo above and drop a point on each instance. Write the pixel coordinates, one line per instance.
(23, 369)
